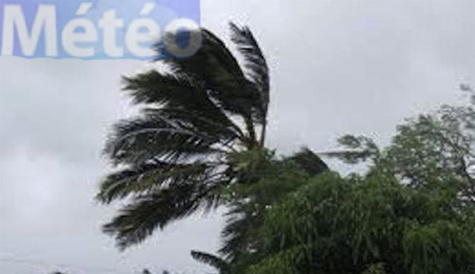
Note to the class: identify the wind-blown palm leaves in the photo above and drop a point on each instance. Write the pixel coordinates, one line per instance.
(211, 260)
(176, 157)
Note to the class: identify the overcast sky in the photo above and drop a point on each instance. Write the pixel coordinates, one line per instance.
(337, 67)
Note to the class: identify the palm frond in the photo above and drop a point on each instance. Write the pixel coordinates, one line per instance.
(255, 63)
(211, 260)
(148, 177)
(179, 91)
(224, 130)
(146, 213)
(140, 139)
(356, 149)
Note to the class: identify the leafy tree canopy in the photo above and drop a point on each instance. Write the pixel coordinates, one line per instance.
(412, 212)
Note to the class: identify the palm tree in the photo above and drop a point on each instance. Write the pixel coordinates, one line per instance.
(201, 129)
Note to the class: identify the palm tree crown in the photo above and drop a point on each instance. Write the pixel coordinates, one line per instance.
(181, 152)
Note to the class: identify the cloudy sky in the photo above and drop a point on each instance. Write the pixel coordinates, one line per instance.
(337, 67)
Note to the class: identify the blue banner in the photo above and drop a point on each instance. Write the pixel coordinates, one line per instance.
(99, 29)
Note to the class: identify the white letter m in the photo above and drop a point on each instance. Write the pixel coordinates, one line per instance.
(45, 17)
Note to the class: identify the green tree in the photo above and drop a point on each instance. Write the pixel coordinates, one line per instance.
(412, 212)
(437, 148)
(198, 117)
(241, 234)
(427, 151)
(361, 224)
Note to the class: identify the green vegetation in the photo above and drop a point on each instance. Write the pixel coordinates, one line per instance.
(413, 211)
(200, 121)
(199, 143)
